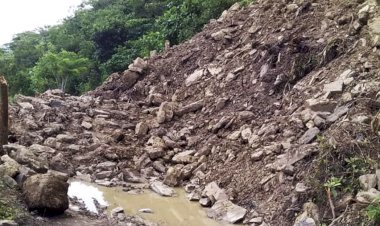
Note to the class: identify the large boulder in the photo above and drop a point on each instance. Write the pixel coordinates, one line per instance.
(26, 157)
(9, 167)
(46, 193)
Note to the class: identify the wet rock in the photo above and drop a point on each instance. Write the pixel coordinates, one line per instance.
(309, 136)
(205, 202)
(194, 196)
(213, 191)
(173, 176)
(146, 210)
(368, 196)
(368, 181)
(9, 166)
(194, 77)
(161, 189)
(225, 210)
(46, 193)
(117, 210)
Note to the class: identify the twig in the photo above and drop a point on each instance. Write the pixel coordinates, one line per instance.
(331, 202)
(338, 218)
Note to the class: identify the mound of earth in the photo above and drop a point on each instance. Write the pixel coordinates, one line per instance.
(265, 105)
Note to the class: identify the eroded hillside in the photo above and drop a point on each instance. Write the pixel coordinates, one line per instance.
(271, 101)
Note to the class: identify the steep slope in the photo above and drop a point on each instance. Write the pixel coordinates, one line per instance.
(242, 104)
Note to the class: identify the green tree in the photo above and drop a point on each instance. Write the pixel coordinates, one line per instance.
(56, 70)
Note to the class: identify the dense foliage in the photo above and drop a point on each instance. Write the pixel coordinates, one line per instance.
(102, 37)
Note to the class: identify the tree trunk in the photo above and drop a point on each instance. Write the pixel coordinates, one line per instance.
(3, 113)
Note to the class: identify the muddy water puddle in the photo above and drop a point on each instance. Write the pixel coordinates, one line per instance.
(167, 211)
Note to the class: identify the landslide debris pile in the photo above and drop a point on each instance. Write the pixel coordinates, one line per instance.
(252, 115)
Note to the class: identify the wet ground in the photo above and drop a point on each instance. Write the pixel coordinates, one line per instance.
(167, 211)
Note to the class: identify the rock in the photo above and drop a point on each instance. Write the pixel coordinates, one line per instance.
(60, 163)
(246, 134)
(374, 27)
(154, 152)
(194, 77)
(161, 189)
(256, 220)
(334, 88)
(339, 112)
(39, 149)
(368, 181)
(86, 125)
(292, 7)
(257, 156)
(221, 123)
(66, 138)
(309, 136)
(193, 107)
(225, 210)
(310, 216)
(9, 167)
(46, 193)
(108, 166)
(378, 178)
(139, 65)
(146, 210)
(24, 156)
(184, 157)
(117, 210)
(194, 196)
(9, 181)
(24, 174)
(25, 105)
(301, 188)
(173, 176)
(205, 202)
(103, 175)
(141, 129)
(213, 191)
(8, 223)
(157, 165)
(321, 105)
(165, 112)
(368, 196)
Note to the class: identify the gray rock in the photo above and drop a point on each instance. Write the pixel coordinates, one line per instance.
(213, 191)
(225, 210)
(161, 189)
(117, 210)
(141, 129)
(309, 136)
(194, 77)
(368, 181)
(321, 105)
(139, 65)
(61, 164)
(66, 138)
(334, 88)
(146, 210)
(86, 125)
(46, 193)
(257, 156)
(205, 202)
(40, 149)
(193, 107)
(184, 157)
(103, 175)
(165, 112)
(25, 156)
(9, 167)
(194, 196)
(173, 176)
(368, 196)
(154, 152)
(9, 181)
(339, 112)
(108, 166)
(8, 223)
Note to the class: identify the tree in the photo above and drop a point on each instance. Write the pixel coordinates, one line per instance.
(56, 70)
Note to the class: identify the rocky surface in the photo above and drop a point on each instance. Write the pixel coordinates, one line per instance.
(239, 112)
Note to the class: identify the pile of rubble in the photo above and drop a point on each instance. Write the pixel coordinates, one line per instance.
(233, 114)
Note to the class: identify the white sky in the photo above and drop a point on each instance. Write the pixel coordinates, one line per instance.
(17, 16)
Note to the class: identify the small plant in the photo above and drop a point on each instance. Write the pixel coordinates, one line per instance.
(330, 187)
(372, 211)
